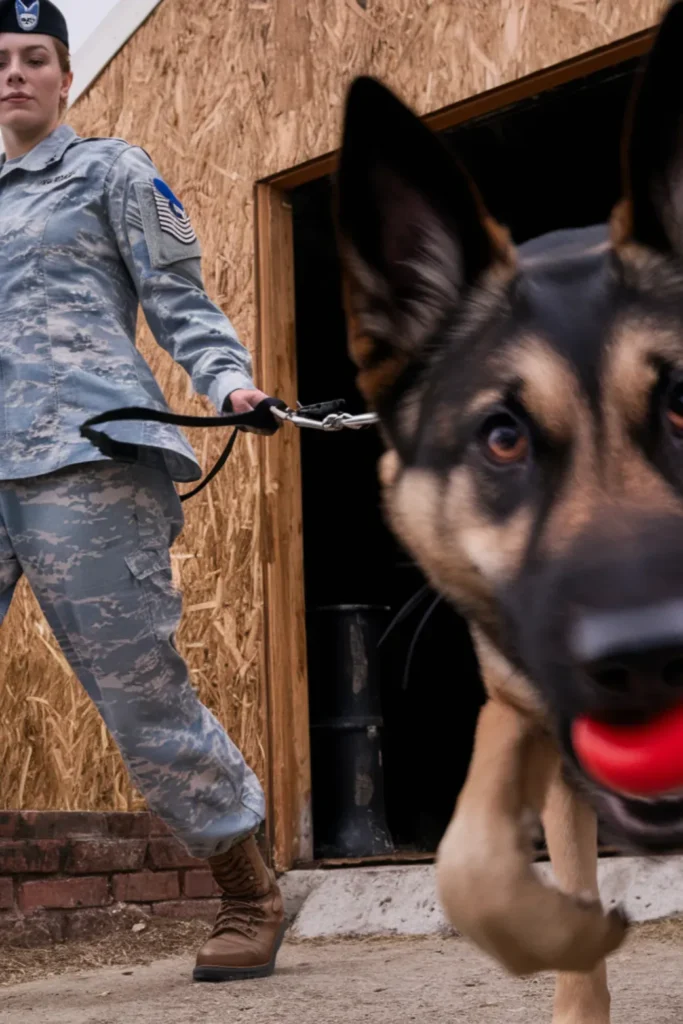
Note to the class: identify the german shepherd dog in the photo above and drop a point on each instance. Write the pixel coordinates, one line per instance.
(531, 402)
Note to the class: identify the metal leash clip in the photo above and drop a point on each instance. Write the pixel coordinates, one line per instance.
(331, 417)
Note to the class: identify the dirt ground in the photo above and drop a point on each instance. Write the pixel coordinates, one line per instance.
(378, 982)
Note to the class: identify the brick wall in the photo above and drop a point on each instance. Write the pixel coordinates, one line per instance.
(71, 875)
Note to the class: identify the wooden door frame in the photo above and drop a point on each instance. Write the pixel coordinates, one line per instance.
(284, 661)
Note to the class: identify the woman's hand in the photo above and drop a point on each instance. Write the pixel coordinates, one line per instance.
(242, 401)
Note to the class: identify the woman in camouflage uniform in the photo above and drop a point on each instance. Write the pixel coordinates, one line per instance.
(89, 232)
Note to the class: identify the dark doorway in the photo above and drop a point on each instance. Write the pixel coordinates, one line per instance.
(548, 162)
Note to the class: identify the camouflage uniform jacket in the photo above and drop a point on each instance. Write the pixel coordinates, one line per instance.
(88, 231)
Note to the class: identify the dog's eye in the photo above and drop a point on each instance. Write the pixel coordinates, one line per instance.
(506, 440)
(674, 410)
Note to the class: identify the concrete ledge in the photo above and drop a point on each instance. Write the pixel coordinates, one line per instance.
(394, 901)
(371, 901)
(649, 889)
(296, 887)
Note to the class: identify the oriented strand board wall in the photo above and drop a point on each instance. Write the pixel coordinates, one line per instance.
(222, 93)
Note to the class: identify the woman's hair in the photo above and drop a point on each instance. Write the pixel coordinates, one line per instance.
(64, 58)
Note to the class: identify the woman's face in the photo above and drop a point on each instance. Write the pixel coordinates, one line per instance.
(32, 83)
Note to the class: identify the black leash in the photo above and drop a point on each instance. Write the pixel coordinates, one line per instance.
(260, 419)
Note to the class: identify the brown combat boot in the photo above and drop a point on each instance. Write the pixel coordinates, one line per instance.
(251, 922)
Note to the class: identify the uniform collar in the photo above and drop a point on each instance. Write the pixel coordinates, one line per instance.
(49, 151)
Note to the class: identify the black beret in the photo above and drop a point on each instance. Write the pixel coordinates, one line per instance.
(40, 16)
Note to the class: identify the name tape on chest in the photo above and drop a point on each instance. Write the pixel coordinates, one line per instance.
(58, 179)
(173, 219)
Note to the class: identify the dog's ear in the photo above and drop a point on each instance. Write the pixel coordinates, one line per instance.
(413, 234)
(652, 213)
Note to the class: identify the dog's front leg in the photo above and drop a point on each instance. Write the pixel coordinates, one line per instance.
(486, 881)
(572, 836)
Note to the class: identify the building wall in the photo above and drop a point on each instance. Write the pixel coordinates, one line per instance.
(224, 93)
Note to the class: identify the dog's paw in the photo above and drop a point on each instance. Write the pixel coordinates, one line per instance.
(576, 933)
(525, 925)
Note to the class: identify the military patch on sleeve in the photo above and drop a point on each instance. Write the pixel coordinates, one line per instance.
(169, 235)
(173, 220)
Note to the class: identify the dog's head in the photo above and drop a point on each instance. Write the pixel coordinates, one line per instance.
(532, 405)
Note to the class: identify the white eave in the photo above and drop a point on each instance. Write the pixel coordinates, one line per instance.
(113, 32)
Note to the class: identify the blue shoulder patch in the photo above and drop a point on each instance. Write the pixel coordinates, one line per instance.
(173, 220)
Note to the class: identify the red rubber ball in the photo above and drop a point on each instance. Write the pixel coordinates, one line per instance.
(643, 760)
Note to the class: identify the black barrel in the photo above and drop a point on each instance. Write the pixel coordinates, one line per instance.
(349, 817)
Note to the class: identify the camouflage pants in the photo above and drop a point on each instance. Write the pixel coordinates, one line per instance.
(93, 541)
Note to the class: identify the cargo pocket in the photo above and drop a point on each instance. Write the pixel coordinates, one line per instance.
(162, 599)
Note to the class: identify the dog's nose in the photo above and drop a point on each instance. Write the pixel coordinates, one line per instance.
(642, 677)
(634, 652)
